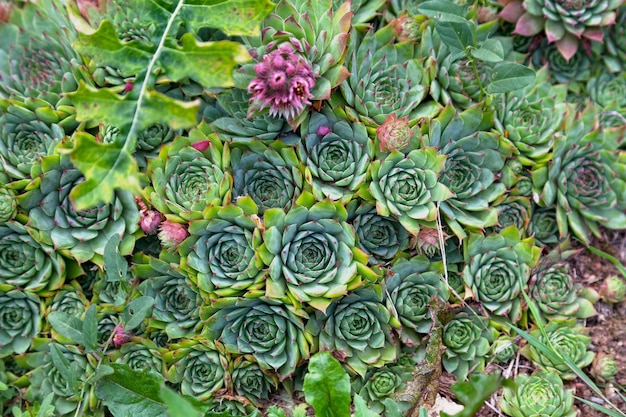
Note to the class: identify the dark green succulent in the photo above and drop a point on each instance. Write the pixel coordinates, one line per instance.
(503, 349)
(381, 383)
(544, 226)
(467, 341)
(513, 211)
(541, 394)
(20, 321)
(250, 381)
(142, 355)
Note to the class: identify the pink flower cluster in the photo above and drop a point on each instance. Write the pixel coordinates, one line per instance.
(284, 82)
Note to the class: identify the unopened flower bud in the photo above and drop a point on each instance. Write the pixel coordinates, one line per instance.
(172, 234)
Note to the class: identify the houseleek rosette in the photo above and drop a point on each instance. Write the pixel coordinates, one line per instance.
(381, 383)
(564, 338)
(608, 90)
(531, 116)
(199, 365)
(269, 173)
(336, 153)
(575, 70)
(604, 368)
(540, 394)
(189, 175)
(467, 343)
(554, 292)
(382, 238)
(150, 141)
(176, 299)
(78, 234)
(385, 79)
(503, 349)
(249, 381)
(408, 186)
(20, 321)
(513, 211)
(474, 159)
(358, 330)
(409, 287)
(586, 179)
(272, 332)
(544, 226)
(27, 264)
(498, 269)
(311, 253)
(142, 355)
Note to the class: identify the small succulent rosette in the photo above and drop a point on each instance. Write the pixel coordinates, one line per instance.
(539, 394)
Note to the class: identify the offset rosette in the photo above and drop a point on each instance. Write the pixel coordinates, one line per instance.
(337, 154)
(586, 179)
(27, 264)
(20, 321)
(380, 237)
(176, 300)
(358, 329)
(141, 355)
(382, 383)
(408, 186)
(221, 251)
(498, 269)
(270, 331)
(467, 342)
(200, 366)
(311, 252)
(566, 338)
(269, 174)
(189, 175)
(78, 234)
(513, 211)
(249, 381)
(474, 161)
(544, 226)
(410, 285)
(541, 394)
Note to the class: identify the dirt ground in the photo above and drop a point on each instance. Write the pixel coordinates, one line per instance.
(607, 329)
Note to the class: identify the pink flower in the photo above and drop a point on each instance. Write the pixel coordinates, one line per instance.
(120, 336)
(394, 134)
(284, 82)
(172, 234)
(150, 221)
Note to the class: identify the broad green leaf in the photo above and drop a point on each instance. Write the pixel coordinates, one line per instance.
(473, 393)
(193, 58)
(510, 76)
(490, 50)
(105, 49)
(106, 167)
(457, 35)
(127, 392)
(361, 409)
(90, 329)
(233, 17)
(441, 9)
(115, 265)
(107, 106)
(67, 326)
(327, 386)
(136, 311)
(177, 405)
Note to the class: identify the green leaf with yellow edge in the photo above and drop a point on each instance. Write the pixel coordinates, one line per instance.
(106, 167)
(192, 59)
(105, 49)
(106, 106)
(233, 17)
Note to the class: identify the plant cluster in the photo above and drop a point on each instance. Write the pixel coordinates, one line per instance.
(201, 200)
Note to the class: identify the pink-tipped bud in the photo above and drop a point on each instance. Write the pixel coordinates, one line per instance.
(172, 234)
(323, 130)
(201, 146)
(120, 336)
(150, 221)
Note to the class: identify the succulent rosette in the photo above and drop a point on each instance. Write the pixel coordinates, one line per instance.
(513, 211)
(408, 186)
(467, 341)
(358, 329)
(409, 286)
(564, 338)
(473, 161)
(79, 234)
(498, 269)
(543, 226)
(586, 179)
(150, 141)
(8, 203)
(315, 47)
(565, 23)
(311, 253)
(272, 332)
(200, 366)
(613, 289)
(614, 45)
(269, 173)
(236, 126)
(540, 394)
(609, 91)
(27, 264)
(381, 383)
(604, 368)
(385, 79)
(503, 349)
(575, 71)
(531, 116)
(20, 321)
(554, 292)
(176, 299)
(142, 355)
(336, 153)
(189, 175)
(221, 252)
(249, 381)
(380, 237)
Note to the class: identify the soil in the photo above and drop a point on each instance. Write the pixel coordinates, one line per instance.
(607, 331)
